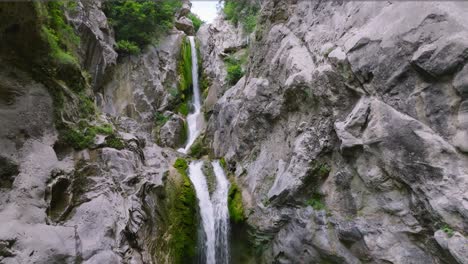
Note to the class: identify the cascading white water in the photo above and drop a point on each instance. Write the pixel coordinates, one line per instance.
(213, 210)
(195, 118)
(206, 210)
(221, 213)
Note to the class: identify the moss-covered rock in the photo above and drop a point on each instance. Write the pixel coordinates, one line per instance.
(199, 148)
(178, 226)
(210, 176)
(235, 206)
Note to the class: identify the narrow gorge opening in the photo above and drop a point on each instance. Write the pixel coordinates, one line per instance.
(213, 242)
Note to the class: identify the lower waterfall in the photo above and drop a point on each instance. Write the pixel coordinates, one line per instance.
(214, 213)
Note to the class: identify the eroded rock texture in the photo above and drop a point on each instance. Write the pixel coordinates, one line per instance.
(348, 132)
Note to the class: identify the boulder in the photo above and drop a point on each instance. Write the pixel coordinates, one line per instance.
(184, 24)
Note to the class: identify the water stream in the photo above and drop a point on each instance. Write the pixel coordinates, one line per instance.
(214, 212)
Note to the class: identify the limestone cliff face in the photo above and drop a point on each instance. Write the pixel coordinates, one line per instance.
(109, 202)
(348, 131)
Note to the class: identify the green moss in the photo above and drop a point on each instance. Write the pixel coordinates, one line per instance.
(181, 165)
(182, 217)
(181, 96)
(184, 67)
(183, 109)
(114, 141)
(223, 163)
(198, 148)
(235, 206)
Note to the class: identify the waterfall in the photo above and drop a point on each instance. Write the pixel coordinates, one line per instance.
(213, 210)
(195, 118)
(221, 214)
(206, 210)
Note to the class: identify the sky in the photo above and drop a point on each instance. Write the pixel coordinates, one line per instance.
(206, 10)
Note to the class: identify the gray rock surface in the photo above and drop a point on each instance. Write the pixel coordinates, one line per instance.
(138, 87)
(173, 133)
(96, 39)
(184, 24)
(348, 131)
(216, 41)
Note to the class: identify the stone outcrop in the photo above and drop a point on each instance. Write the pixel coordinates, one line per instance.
(96, 40)
(348, 132)
(217, 40)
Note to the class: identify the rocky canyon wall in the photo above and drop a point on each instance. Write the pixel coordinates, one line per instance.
(347, 132)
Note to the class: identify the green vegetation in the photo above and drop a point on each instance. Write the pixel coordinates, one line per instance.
(183, 217)
(242, 11)
(448, 230)
(59, 35)
(83, 136)
(234, 68)
(235, 206)
(198, 148)
(181, 165)
(127, 47)
(197, 22)
(114, 141)
(316, 202)
(160, 119)
(184, 69)
(223, 163)
(138, 23)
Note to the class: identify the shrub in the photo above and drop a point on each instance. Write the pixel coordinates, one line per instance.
(235, 206)
(127, 47)
(140, 22)
(316, 202)
(59, 35)
(234, 69)
(197, 22)
(242, 11)
(114, 141)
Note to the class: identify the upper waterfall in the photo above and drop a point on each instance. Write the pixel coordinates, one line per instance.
(195, 120)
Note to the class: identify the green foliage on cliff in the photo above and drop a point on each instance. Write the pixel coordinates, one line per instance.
(234, 69)
(316, 202)
(59, 35)
(197, 22)
(83, 136)
(114, 141)
(138, 23)
(127, 47)
(235, 206)
(244, 12)
(184, 70)
(183, 217)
